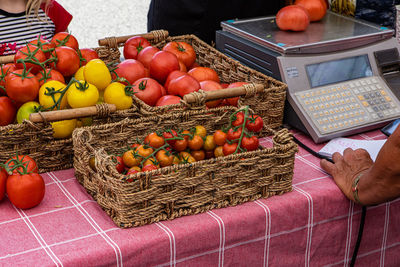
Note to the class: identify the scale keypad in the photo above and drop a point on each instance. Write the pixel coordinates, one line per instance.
(349, 104)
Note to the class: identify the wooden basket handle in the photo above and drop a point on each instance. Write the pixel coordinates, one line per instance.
(7, 59)
(115, 42)
(223, 94)
(67, 114)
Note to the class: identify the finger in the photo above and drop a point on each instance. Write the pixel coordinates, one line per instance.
(348, 153)
(337, 157)
(327, 166)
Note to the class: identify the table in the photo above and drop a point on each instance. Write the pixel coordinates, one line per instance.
(313, 225)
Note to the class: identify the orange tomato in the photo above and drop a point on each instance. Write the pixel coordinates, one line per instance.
(196, 142)
(198, 154)
(219, 137)
(164, 158)
(130, 158)
(218, 151)
(209, 143)
(154, 140)
(144, 150)
(200, 130)
(180, 145)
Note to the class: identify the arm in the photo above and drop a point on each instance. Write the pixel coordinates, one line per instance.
(379, 181)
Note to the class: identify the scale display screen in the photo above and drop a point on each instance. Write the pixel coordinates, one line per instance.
(335, 71)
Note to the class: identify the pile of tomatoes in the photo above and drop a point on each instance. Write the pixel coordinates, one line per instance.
(168, 147)
(19, 178)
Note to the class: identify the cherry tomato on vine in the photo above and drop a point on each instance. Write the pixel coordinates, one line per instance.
(238, 119)
(144, 151)
(149, 167)
(254, 123)
(219, 152)
(170, 134)
(154, 140)
(234, 135)
(250, 143)
(228, 149)
(196, 142)
(219, 137)
(129, 159)
(209, 143)
(164, 158)
(180, 145)
(200, 130)
(198, 154)
(119, 164)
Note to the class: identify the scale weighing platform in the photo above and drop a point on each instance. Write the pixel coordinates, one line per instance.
(343, 74)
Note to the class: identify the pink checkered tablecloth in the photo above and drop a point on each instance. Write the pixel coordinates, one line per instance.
(314, 225)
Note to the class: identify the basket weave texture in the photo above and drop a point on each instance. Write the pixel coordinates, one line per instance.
(183, 189)
(35, 139)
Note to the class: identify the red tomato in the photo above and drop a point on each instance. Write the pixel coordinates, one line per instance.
(203, 74)
(234, 100)
(146, 55)
(87, 54)
(131, 69)
(148, 90)
(183, 51)
(254, 123)
(7, 111)
(173, 75)
(28, 162)
(183, 85)
(228, 149)
(316, 8)
(182, 66)
(168, 100)
(170, 134)
(3, 180)
(250, 143)
(49, 75)
(149, 167)
(28, 52)
(22, 90)
(119, 164)
(134, 45)
(293, 17)
(238, 119)
(219, 137)
(234, 135)
(25, 191)
(65, 39)
(162, 64)
(4, 70)
(209, 85)
(163, 91)
(67, 62)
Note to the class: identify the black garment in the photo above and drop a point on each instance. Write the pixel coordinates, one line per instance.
(203, 17)
(382, 12)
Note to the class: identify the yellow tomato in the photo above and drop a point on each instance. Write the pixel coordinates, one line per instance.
(82, 94)
(79, 74)
(97, 73)
(200, 130)
(63, 129)
(47, 101)
(209, 143)
(116, 93)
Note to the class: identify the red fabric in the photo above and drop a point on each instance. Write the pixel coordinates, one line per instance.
(314, 225)
(58, 15)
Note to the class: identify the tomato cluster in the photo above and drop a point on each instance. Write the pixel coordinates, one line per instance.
(171, 72)
(23, 83)
(19, 178)
(168, 147)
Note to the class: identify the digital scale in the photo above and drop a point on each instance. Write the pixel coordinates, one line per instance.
(343, 74)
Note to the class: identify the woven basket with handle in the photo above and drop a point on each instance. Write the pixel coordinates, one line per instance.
(183, 189)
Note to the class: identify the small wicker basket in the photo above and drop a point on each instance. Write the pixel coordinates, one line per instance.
(183, 189)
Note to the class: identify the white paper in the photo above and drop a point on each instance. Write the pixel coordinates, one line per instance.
(340, 144)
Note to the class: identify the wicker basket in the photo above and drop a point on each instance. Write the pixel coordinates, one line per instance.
(36, 139)
(178, 190)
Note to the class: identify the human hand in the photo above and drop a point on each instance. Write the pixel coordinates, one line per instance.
(345, 168)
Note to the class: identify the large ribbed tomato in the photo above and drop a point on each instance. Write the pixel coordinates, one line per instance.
(293, 17)
(316, 8)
